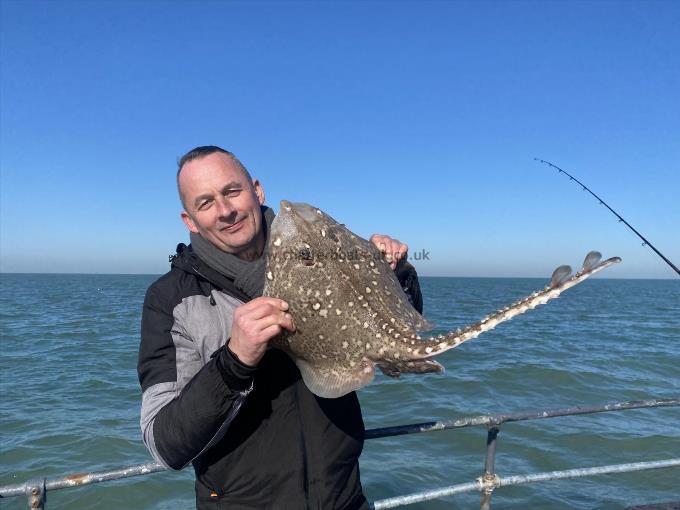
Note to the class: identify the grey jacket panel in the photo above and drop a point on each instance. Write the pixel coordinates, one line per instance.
(153, 400)
(199, 329)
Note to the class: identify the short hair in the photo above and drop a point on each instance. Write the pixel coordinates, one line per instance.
(201, 152)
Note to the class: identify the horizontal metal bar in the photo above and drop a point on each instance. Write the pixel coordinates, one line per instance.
(7, 491)
(497, 419)
(418, 497)
(78, 479)
(581, 472)
(479, 485)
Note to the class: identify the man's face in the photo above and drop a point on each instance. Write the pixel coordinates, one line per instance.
(222, 204)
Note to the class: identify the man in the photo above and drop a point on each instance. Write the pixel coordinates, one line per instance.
(213, 393)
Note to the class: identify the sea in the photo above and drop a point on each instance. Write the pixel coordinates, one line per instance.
(69, 395)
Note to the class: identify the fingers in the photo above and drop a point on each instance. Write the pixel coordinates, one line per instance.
(256, 316)
(282, 319)
(393, 249)
(262, 301)
(255, 324)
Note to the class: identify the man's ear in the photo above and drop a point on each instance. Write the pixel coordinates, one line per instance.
(259, 191)
(189, 222)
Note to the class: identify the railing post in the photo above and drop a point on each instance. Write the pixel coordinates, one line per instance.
(37, 494)
(488, 480)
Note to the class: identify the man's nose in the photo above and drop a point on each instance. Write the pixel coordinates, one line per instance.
(225, 208)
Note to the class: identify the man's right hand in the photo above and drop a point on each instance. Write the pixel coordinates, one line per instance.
(255, 324)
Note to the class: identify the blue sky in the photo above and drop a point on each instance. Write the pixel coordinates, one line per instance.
(416, 119)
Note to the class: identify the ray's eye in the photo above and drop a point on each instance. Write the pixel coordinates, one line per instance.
(305, 255)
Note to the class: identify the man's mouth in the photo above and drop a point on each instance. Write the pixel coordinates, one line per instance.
(233, 227)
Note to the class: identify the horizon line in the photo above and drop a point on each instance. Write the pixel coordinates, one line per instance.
(420, 275)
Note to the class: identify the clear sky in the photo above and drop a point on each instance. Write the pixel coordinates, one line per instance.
(416, 119)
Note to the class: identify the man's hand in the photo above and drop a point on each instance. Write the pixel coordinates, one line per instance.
(255, 324)
(393, 249)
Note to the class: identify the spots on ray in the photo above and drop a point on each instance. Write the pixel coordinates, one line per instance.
(342, 324)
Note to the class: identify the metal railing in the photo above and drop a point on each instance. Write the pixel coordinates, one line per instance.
(35, 490)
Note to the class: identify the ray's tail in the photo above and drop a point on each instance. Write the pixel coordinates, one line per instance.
(561, 280)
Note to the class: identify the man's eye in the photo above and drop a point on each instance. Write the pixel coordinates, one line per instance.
(204, 205)
(233, 192)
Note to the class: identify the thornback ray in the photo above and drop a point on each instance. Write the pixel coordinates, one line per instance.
(350, 312)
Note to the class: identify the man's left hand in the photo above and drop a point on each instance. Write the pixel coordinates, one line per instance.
(392, 249)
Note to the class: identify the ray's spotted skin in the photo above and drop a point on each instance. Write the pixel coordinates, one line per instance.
(350, 312)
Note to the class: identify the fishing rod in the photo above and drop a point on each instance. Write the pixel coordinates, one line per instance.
(645, 242)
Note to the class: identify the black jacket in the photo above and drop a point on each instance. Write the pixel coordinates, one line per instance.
(257, 437)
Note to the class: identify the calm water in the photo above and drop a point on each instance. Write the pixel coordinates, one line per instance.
(69, 398)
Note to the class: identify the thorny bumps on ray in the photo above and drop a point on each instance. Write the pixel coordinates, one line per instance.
(351, 314)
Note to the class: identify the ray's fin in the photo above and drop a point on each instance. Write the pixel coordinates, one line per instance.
(591, 260)
(390, 300)
(334, 381)
(395, 368)
(560, 275)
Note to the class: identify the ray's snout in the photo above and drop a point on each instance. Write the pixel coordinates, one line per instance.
(304, 211)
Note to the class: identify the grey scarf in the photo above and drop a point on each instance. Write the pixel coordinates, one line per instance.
(248, 276)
